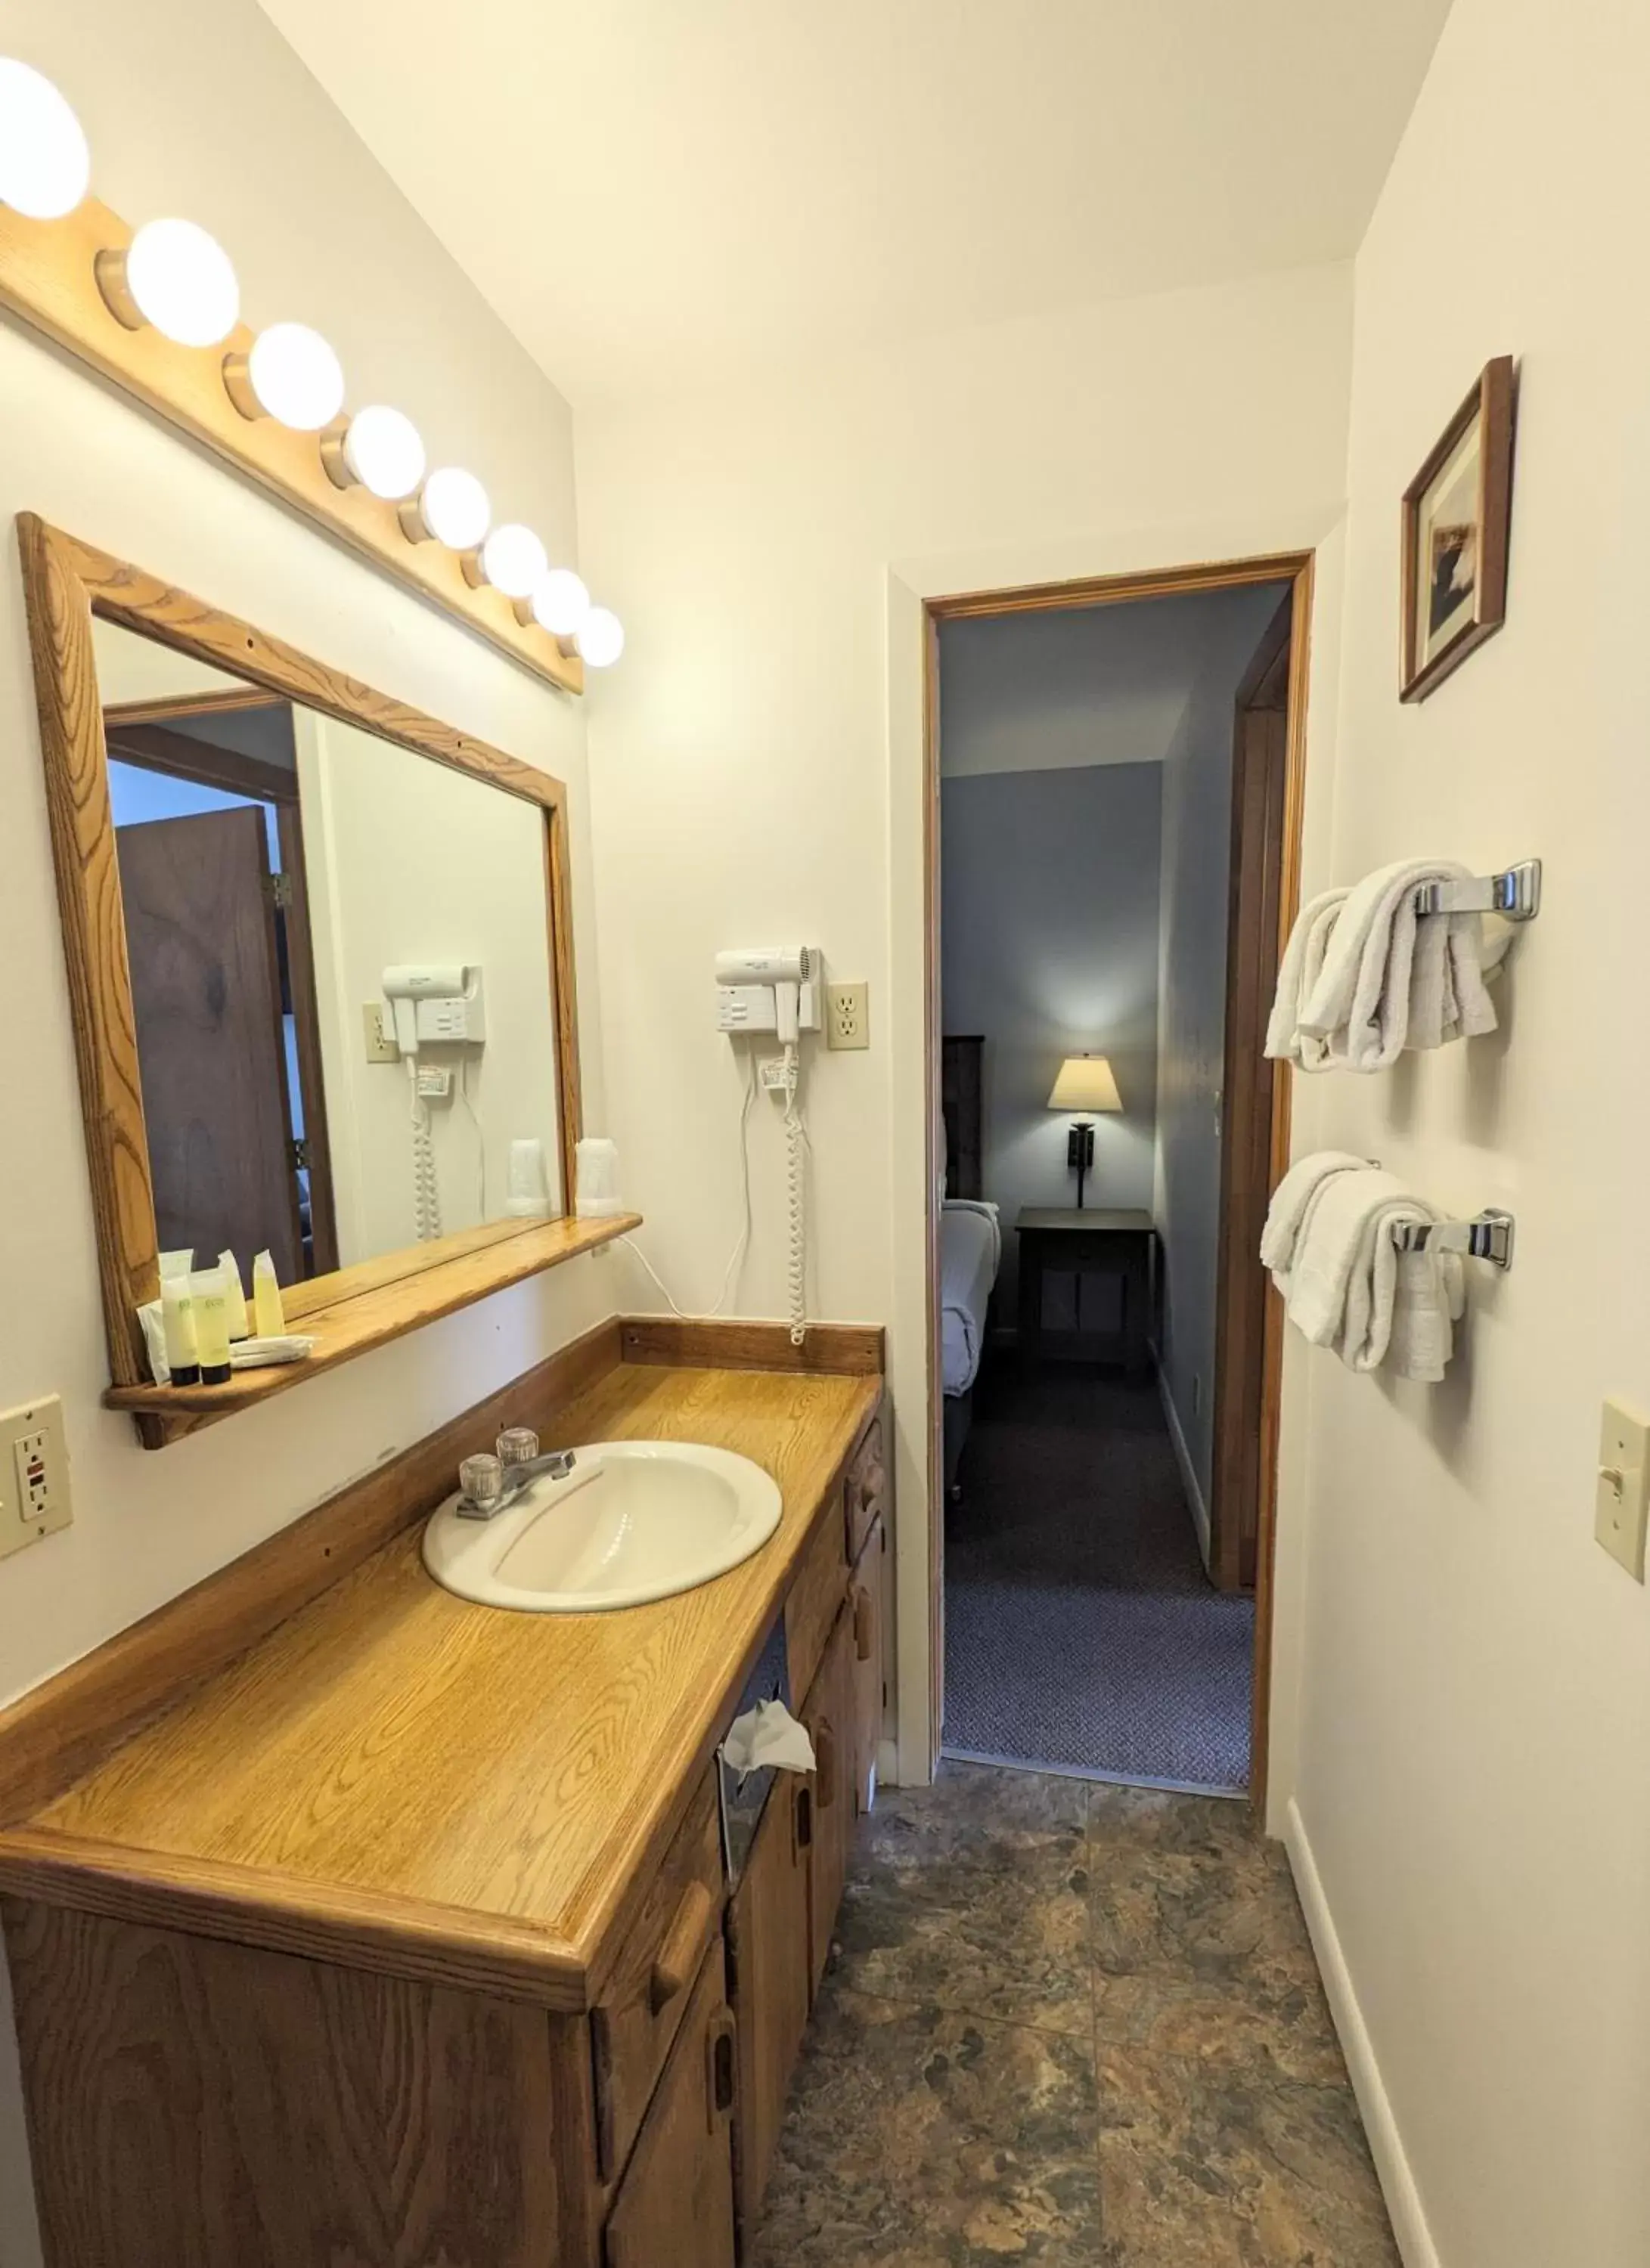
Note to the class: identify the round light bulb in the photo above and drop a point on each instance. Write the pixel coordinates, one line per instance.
(179, 279)
(44, 165)
(294, 377)
(513, 559)
(383, 451)
(560, 603)
(601, 637)
(454, 507)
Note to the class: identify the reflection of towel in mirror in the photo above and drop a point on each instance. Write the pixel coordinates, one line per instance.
(1372, 987)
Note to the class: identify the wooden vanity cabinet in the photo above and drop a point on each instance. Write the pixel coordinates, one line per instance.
(829, 1716)
(675, 2203)
(771, 1978)
(868, 1611)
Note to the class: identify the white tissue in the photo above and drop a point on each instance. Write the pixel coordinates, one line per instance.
(768, 1734)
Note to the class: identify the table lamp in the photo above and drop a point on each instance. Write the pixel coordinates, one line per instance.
(1083, 1083)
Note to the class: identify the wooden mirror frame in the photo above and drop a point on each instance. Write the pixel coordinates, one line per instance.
(351, 1311)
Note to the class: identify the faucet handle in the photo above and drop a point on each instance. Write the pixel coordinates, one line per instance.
(481, 1479)
(517, 1444)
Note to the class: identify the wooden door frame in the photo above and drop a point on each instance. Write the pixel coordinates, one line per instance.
(149, 741)
(1294, 567)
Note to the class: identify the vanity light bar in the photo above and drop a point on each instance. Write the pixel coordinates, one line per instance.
(172, 280)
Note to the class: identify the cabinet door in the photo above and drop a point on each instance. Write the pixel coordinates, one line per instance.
(676, 2201)
(767, 1937)
(867, 1604)
(829, 1714)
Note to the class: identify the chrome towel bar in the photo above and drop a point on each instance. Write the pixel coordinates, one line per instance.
(1488, 1236)
(1515, 893)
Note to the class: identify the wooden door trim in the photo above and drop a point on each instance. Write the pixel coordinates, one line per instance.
(65, 582)
(1294, 567)
(1254, 875)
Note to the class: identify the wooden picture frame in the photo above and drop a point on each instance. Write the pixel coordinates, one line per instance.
(1455, 597)
(65, 581)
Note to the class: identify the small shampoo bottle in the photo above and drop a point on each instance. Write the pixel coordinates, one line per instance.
(267, 1312)
(211, 1325)
(177, 1321)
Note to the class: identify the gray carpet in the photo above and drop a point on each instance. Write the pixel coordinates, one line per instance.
(1082, 1632)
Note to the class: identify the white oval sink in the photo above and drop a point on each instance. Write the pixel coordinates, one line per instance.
(633, 1521)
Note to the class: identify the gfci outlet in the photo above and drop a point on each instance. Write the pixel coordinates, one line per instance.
(34, 1474)
(847, 1016)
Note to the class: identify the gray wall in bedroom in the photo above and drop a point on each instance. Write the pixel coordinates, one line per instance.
(1049, 929)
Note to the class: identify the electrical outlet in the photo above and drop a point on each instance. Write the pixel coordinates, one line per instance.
(34, 1474)
(381, 1040)
(847, 1016)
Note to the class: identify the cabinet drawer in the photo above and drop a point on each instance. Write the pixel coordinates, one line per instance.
(817, 1589)
(643, 2002)
(676, 2202)
(865, 1488)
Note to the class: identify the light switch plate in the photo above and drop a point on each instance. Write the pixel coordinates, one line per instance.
(847, 1016)
(34, 1474)
(1623, 1487)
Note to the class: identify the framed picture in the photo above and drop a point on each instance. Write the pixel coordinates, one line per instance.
(1456, 517)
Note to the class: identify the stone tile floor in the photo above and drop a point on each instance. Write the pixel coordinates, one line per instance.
(1068, 2023)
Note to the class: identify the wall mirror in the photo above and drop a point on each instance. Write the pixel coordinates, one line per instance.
(321, 968)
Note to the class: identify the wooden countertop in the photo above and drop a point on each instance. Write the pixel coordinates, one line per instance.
(397, 1778)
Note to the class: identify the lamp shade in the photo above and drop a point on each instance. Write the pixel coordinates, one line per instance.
(1084, 1083)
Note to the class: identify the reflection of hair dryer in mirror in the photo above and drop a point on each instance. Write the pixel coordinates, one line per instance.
(436, 1004)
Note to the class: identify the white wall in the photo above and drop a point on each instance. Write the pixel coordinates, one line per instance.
(1474, 1727)
(194, 106)
(406, 860)
(756, 767)
(1191, 1019)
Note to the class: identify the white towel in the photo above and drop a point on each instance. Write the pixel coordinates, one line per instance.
(1291, 1202)
(1343, 1287)
(1298, 973)
(1427, 1305)
(1361, 1003)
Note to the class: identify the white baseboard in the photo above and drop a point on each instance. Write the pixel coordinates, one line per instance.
(1198, 1509)
(1386, 2145)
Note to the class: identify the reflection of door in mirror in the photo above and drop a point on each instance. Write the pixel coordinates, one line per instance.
(204, 789)
(274, 863)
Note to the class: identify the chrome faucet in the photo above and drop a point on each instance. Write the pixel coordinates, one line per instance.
(489, 1486)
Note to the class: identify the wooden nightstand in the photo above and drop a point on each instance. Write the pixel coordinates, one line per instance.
(1091, 1242)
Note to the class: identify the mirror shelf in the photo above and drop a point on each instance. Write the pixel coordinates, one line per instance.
(367, 1315)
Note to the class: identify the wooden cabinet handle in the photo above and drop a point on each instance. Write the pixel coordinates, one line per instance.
(871, 1484)
(678, 1955)
(721, 2067)
(825, 1762)
(801, 1819)
(864, 1625)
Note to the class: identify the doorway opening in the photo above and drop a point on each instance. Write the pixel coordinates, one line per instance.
(1113, 808)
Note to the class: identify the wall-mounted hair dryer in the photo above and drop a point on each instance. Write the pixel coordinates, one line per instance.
(436, 1004)
(768, 988)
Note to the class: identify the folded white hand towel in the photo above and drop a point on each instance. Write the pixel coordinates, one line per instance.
(1428, 1303)
(1298, 973)
(1361, 1001)
(1291, 1202)
(1447, 999)
(1344, 1282)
